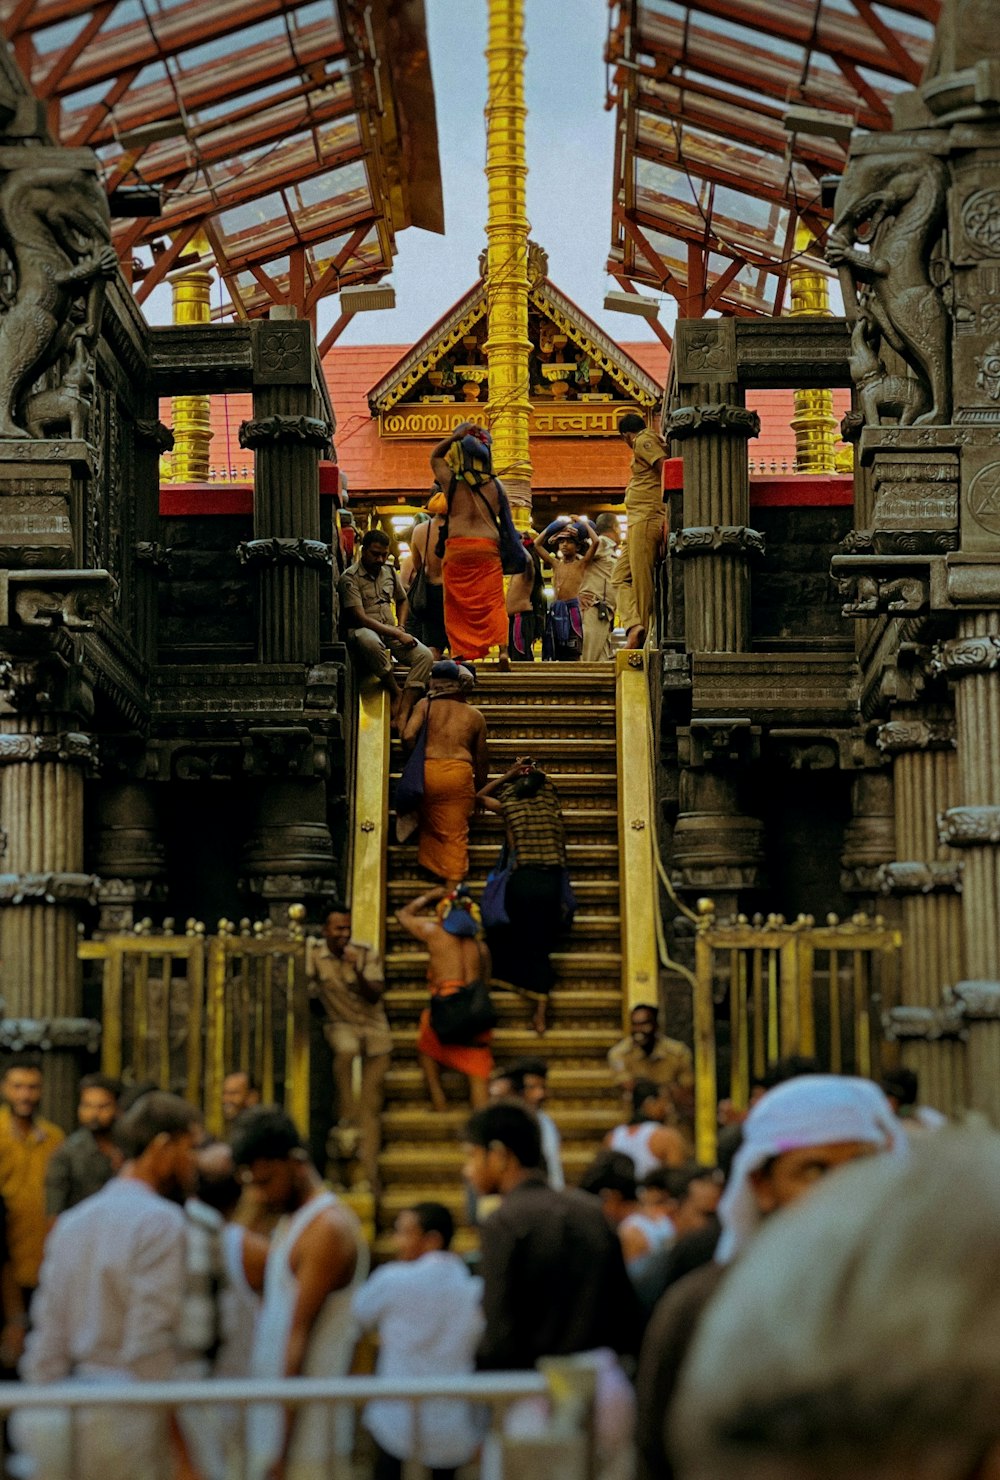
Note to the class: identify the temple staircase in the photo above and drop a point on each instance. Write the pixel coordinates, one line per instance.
(564, 716)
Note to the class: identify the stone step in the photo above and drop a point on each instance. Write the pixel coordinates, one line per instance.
(581, 1044)
(417, 1123)
(597, 897)
(596, 860)
(557, 755)
(577, 968)
(541, 720)
(417, 1164)
(579, 824)
(576, 789)
(570, 1084)
(599, 931)
(576, 1006)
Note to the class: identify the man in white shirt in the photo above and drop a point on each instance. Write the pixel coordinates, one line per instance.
(108, 1306)
(427, 1311)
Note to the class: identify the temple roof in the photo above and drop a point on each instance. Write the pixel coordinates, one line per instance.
(630, 379)
(290, 140)
(714, 172)
(382, 468)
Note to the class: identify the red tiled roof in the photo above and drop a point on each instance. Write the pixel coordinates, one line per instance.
(374, 465)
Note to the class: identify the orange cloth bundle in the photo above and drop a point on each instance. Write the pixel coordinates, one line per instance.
(448, 802)
(475, 612)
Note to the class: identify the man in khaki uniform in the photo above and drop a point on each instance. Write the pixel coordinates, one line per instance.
(347, 982)
(634, 577)
(649, 1054)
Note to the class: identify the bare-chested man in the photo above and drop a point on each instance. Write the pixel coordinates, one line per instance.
(316, 1260)
(570, 566)
(475, 615)
(427, 623)
(457, 957)
(456, 764)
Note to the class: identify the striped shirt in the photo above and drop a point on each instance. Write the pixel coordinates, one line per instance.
(535, 826)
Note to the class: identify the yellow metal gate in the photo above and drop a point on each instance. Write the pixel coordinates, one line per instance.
(186, 1010)
(786, 987)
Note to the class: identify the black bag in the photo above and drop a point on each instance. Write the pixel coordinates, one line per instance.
(416, 597)
(513, 556)
(462, 1016)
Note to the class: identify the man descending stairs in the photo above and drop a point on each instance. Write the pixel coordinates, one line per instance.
(564, 717)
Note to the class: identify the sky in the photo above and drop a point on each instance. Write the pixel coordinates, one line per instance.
(570, 149)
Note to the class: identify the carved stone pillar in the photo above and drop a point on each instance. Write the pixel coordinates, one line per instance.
(288, 438)
(972, 662)
(716, 850)
(716, 542)
(128, 856)
(869, 838)
(289, 858)
(152, 439)
(926, 877)
(42, 759)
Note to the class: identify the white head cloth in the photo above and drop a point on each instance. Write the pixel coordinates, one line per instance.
(813, 1110)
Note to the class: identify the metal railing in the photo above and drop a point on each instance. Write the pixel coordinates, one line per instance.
(785, 987)
(560, 1443)
(186, 1010)
(639, 901)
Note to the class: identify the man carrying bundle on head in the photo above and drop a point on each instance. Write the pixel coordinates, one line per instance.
(475, 612)
(576, 544)
(455, 1030)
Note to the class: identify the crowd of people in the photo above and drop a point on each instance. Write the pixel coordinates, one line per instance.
(449, 597)
(821, 1303)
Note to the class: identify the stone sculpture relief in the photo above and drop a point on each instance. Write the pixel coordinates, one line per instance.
(893, 204)
(55, 227)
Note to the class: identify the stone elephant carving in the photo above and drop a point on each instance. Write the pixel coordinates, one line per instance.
(55, 226)
(893, 203)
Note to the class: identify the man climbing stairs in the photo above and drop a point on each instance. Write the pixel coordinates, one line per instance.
(564, 717)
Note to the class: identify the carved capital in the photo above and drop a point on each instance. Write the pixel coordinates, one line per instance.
(713, 416)
(901, 735)
(858, 542)
(121, 892)
(154, 557)
(913, 877)
(676, 671)
(927, 1024)
(69, 746)
(54, 598)
(43, 685)
(969, 827)
(289, 886)
(966, 655)
(18, 1034)
(54, 888)
(978, 1001)
(715, 539)
(312, 553)
(307, 431)
(852, 425)
(153, 432)
(860, 878)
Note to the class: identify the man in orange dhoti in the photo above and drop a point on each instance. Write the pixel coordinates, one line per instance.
(475, 613)
(455, 758)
